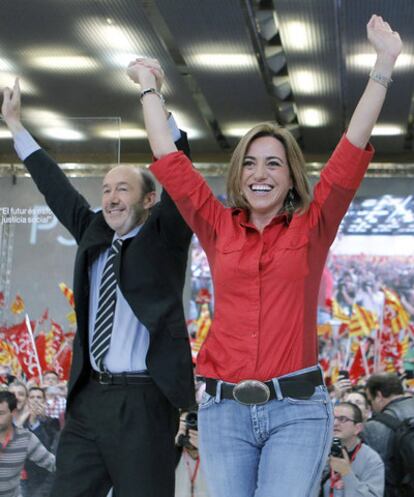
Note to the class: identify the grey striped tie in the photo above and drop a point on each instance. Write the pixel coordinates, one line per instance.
(104, 319)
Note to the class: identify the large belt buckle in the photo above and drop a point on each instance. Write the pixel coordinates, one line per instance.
(104, 378)
(249, 392)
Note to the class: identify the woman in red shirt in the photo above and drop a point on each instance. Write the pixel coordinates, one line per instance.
(265, 421)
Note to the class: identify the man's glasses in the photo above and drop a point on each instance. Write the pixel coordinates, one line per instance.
(343, 419)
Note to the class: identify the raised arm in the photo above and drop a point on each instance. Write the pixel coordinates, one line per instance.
(387, 45)
(10, 108)
(146, 72)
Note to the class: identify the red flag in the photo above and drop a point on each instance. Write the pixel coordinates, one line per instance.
(18, 336)
(63, 362)
(357, 369)
(1, 299)
(44, 317)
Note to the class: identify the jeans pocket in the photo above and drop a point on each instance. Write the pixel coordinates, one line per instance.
(206, 401)
(320, 396)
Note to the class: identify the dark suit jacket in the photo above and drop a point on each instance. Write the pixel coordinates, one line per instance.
(150, 274)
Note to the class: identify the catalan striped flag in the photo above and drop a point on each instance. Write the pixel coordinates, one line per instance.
(362, 322)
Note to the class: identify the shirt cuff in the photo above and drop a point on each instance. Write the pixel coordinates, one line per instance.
(175, 132)
(25, 144)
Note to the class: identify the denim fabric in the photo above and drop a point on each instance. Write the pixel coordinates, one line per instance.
(273, 450)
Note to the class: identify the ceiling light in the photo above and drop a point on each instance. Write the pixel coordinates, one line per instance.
(238, 130)
(367, 61)
(224, 61)
(124, 133)
(304, 82)
(388, 130)
(63, 63)
(37, 115)
(5, 65)
(297, 36)
(312, 117)
(5, 134)
(105, 35)
(63, 134)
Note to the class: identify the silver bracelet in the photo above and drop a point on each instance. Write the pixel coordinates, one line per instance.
(379, 78)
(146, 91)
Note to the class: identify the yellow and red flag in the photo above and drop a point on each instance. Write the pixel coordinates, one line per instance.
(17, 306)
(395, 314)
(338, 312)
(68, 293)
(362, 322)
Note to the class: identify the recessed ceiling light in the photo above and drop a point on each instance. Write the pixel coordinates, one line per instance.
(312, 117)
(304, 82)
(367, 61)
(100, 33)
(64, 134)
(224, 61)
(297, 36)
(5, 134)
(63, 63)
(388, 130)
(5, 65)
(124, 133)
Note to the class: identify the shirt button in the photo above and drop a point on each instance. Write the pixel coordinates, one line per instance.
(254, 334)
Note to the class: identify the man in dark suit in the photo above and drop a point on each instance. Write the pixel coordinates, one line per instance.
(131, 367)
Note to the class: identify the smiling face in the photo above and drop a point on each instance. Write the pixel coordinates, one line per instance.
(21, 395)
(124, 205)
(265, 179)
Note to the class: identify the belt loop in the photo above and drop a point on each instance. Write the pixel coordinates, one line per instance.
(217, 397)
(278, 391)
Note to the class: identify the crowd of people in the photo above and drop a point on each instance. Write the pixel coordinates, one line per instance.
(265, 416)
(32, 416)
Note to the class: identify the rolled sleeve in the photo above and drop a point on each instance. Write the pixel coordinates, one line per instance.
(348, 164)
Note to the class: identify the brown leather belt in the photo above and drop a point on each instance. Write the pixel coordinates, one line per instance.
(105, 378)
(251, 392)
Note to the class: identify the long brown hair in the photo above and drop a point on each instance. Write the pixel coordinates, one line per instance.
(300, 195)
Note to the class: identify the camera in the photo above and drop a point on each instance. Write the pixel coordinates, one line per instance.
(336, 448)
(190, 421)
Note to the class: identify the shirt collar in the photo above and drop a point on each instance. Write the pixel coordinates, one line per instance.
(242, 214)
(130, 234)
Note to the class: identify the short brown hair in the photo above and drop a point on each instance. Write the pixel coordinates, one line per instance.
(389, 384)
(295, 159)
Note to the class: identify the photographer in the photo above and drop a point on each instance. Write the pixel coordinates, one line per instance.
(355, 470)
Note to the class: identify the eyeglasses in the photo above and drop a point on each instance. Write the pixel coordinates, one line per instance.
(343, 419)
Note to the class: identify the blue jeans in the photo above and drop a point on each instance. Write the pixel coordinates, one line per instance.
(277, 449)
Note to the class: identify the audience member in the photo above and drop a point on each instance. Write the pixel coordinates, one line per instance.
(355, 470)
(17, 446)
(386, 395)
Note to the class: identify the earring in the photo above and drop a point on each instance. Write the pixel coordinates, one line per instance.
(290, 201)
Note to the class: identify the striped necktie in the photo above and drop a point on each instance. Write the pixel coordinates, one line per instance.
(104, 319)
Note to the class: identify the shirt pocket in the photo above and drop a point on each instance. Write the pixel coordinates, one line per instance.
(228, 260)
(290, 256)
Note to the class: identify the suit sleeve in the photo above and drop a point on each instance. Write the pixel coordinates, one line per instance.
(68, 205)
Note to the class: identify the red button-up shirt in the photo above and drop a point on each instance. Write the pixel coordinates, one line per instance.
(265, 284)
